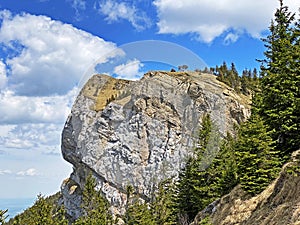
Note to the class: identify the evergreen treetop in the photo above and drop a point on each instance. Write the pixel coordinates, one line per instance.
(280, 83)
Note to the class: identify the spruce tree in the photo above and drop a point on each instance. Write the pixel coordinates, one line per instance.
(225, 167)
(195, 188)
(186, 201)
(280, 82)
(94, 206)
(44, 211)
(257, 160)
(158, 211)
(137, 211)
(162, 207)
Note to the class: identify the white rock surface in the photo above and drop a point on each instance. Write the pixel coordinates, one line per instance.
(144, 135)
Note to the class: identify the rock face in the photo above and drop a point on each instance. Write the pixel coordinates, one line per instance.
(139, 133)
(278, 204)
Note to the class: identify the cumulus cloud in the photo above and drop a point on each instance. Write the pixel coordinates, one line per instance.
(115, 11)
(129, 70)
(29, 172)
(210, 19)
(50, 57)
(23, 109)
(39, 137)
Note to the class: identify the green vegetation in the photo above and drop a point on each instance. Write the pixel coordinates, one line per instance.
(194, 189)
(205, 221)
(251, 158)
(158, 211)
(257, 161)
(205, 179)
(280, 104)
(266, 140)
(44, 211)
(3, 216)
(245, 83)
(94, 206)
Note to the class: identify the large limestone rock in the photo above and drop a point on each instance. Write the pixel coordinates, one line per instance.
(139, 132)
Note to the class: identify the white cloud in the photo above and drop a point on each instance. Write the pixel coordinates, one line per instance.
(210, 19)
(54, 55)
(115, 11)
(231, 38)
(4, 172)
(45, 60)
(3, 78)
(29, 172)
(23, 109)
(78, 6)
(37, 137)
(130, 70)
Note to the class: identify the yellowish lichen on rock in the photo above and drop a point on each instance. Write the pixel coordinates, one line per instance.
(103, 89)
(106, 94)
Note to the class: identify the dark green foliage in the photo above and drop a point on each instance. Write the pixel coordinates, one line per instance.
(139, 213)
(159, 211)
(162, 206)
(258, 162)
(94, 206)
(45, 210)
(225, 167)
(280, 82)
(188, 202)
(246, 84)
(3, 216)
(208, 175)
(42, 213)
(192, 192)
(253, 158)
(249, 160)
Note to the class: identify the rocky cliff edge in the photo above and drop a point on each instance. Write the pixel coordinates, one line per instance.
(139, 133)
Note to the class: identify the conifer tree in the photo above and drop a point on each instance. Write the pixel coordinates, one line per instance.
(257, 161)
(94, 206)
(195, 188)
(186, 201)
(137, 210)
(44, 211)
(41, 212)
(162, 207)
(280, 82)
(245, 80)
(158, 211)
(225, 167)
(139, 213)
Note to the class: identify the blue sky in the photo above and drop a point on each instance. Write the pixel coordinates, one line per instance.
(48, 47)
